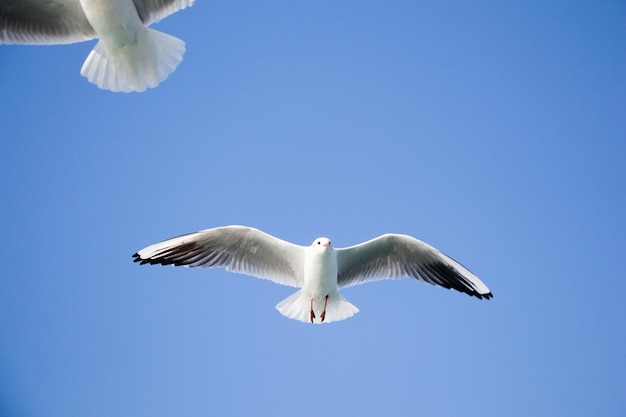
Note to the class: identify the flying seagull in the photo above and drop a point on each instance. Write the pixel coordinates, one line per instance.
(128, 57)
(318, 270)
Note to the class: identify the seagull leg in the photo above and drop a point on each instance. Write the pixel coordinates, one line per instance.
(312, 313)
(323, 315)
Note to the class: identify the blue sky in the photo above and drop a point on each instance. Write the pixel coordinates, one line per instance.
(494, 131)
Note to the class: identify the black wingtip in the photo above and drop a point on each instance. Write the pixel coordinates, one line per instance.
(156, 261)
(487, 296)
(137, 258)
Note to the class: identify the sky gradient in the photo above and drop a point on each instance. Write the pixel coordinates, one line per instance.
(494, 132)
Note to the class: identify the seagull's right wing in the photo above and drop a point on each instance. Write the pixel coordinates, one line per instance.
(43, 22)
(237, 248)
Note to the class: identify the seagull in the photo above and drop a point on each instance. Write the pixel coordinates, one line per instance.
(128, 57)
(318, 270)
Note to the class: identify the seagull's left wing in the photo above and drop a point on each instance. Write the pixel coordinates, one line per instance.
(394, 256)
(151, 11)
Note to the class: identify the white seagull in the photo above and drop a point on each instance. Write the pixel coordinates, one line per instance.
(128, 57)
(318, 270)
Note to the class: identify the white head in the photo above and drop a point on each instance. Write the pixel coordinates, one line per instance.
(322, 244)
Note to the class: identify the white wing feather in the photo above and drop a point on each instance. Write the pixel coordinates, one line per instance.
(238, 249)
(43, 22)
(151, 11)
(393, 256)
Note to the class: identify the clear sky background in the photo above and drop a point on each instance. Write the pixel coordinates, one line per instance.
(494, 131)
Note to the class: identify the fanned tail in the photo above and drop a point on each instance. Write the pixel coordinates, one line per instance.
(298, 307)
(153, 57)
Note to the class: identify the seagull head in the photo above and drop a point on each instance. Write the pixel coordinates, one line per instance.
(322, 244)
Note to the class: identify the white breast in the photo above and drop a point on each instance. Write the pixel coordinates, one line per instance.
(320, 274)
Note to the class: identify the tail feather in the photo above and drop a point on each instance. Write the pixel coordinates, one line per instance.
(298, 307)
(135, 67)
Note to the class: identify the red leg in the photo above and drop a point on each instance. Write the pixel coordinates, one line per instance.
(323, 315)
(312, 313)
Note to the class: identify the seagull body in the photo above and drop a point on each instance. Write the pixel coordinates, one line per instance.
(128, 57)
(319, 270)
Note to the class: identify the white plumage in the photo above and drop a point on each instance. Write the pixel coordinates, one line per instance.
(128, 57)
(318, 270)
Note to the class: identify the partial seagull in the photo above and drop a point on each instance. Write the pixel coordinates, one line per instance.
(128, 57)
(319, 270)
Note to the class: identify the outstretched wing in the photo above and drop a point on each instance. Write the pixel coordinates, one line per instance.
(151, 11)
(237, 248)
(43, 22)
(394, 256)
